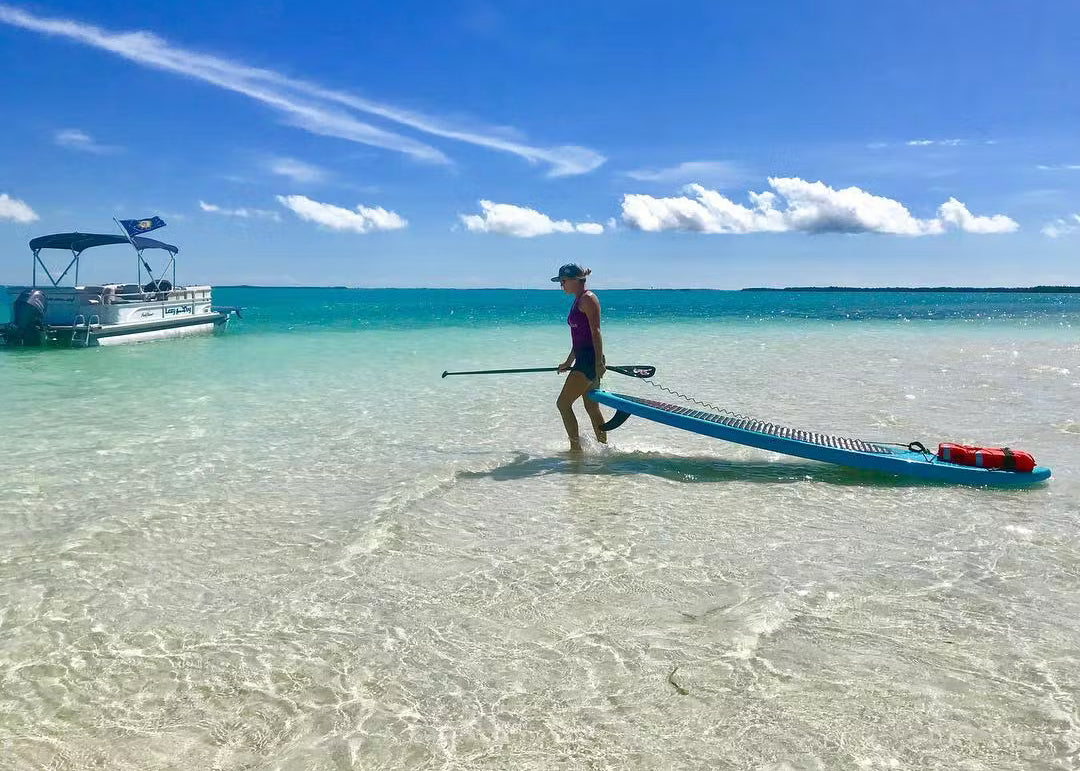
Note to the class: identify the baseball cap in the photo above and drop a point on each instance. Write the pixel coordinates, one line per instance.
(570, 270)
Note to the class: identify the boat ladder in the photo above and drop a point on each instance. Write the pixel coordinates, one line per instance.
(82, 326)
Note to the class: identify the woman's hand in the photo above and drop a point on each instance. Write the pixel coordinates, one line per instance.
(566, 365)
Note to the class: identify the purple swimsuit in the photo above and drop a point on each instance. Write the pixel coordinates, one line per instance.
(581, 337)
(580, 332)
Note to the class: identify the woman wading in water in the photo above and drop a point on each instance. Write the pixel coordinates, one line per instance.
(586, 359)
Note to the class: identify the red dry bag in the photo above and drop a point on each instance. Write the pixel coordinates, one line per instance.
(986, 457)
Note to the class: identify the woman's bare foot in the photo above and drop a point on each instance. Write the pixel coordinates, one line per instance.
(601, 435)
(575, 445)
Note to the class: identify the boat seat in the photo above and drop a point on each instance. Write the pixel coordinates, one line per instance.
(130, 292)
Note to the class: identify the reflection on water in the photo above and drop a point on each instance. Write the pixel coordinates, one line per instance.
(303, 550)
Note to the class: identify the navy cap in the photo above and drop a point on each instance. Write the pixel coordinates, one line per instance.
(570, 270)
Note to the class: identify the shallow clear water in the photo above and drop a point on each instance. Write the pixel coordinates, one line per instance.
(295, 546)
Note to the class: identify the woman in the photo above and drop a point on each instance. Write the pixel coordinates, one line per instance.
(586, 359)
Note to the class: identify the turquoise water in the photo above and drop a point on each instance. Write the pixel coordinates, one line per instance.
(293, 545)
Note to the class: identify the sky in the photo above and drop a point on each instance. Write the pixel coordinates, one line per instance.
(483, 144)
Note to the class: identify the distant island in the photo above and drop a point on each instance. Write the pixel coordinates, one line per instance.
(1012, 289)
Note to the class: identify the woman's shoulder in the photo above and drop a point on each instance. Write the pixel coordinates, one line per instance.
(588, 297)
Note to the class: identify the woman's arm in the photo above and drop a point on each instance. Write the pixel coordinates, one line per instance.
(569, 362)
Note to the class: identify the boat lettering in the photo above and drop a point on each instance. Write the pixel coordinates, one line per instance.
(178, 309)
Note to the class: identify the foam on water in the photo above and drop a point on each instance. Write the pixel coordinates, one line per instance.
(295, 546)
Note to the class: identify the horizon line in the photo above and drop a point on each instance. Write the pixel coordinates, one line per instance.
(1034, 289)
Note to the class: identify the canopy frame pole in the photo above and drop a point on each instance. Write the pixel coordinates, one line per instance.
(157, 281)
(140, 262)
(56, 281)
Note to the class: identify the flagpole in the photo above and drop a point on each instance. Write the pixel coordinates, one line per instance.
(138, 257)
(141, 263)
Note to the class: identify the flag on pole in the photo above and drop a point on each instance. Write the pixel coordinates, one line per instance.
(139, 227)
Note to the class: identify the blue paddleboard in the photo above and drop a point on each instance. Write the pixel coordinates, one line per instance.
(854, 453)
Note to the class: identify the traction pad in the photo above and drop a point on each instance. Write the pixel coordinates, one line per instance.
(757, 426)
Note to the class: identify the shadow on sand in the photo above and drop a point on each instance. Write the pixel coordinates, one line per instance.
(688, 469)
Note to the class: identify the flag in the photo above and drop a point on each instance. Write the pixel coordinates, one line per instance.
(138, 227)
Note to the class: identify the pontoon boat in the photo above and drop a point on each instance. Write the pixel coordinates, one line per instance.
(107, 314)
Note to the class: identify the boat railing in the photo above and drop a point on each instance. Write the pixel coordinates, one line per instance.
(130, 294)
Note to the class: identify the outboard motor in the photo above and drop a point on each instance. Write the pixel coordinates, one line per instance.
(27, 325)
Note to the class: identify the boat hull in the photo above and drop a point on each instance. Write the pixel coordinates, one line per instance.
(119, 335)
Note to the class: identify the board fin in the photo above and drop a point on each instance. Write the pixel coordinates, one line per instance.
(616, 420)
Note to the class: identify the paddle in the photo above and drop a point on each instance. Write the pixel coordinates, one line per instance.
(636, 370)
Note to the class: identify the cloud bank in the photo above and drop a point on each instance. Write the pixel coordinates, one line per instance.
(361, 220)
(297, 171)
(934, 142)
(1062, 227)
(14, 209)
(74, 139)
(690, 170)
(244, 213)
(797, 205)
(510, 220)
(306, 105)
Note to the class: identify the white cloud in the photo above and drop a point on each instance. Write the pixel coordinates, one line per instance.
(74, 139)
(361, 220)
(297, 171)
(1059, 167)
(797, 205)
(304, 104)
(14, 209)
(954, 213)
(1062, 227)
(721, 171)
(242, 212)
(934, 142)
(510, 220)
(710, 212)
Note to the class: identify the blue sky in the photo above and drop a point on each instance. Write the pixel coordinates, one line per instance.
(478, 143)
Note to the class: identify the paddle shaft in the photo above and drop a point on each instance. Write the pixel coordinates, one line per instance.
(502, 371)
(640, 371)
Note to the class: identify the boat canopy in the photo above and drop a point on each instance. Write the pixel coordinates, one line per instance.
(77, 242)
(142, 242)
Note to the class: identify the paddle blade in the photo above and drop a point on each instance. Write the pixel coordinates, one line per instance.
(637, 370)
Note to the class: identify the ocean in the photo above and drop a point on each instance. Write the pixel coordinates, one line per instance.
(293, 545)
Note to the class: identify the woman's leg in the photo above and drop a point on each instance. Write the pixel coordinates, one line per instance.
(597, 418)
(574, 388)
